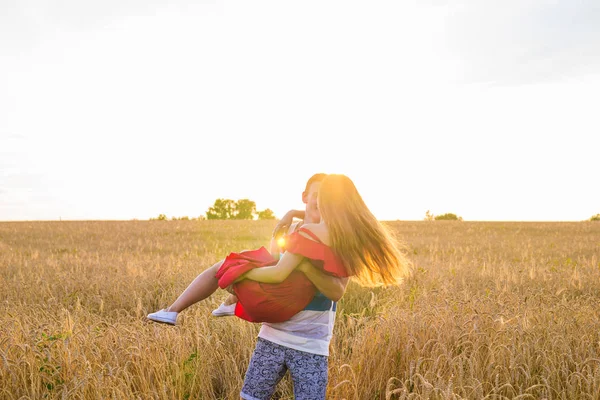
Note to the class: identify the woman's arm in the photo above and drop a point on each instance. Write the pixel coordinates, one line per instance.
(277, 273)
(274, 248)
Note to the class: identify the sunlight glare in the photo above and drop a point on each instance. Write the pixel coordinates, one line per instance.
(281, 242)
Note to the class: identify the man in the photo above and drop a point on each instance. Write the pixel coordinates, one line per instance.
(301, 344)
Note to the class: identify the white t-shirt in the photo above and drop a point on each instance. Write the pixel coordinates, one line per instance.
(310, 330)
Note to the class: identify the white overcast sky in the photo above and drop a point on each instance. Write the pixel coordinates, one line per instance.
(128, 109)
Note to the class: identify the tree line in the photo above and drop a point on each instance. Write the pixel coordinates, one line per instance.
(453, 217)
(443, 217)
(243, 209)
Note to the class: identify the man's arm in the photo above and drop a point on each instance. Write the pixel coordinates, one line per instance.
(287, 220)
(332, 287)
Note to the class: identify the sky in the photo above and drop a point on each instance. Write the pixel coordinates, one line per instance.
(130, 109)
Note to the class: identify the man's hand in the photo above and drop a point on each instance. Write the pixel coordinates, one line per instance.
(284, 223)
(332, 287)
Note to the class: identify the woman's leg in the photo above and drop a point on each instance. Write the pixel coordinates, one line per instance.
(227, 307)
(231, 299)
(203, 286)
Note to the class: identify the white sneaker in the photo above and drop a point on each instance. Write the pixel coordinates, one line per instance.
(224, 311)
(166, 317)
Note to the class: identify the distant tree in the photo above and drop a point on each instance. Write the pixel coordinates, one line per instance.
(162, 217)
(595, 217)
(266, 214)
(184, 218)
(222, 209)
(429, 216)
(244, 209)
(447, 217)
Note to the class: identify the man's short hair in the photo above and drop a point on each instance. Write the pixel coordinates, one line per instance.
(315, 178)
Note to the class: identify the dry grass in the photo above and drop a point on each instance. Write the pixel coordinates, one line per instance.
(494, 310)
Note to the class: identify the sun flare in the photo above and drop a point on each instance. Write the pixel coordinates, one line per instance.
(281, 242)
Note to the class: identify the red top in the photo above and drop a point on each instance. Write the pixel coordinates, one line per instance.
(277, 302)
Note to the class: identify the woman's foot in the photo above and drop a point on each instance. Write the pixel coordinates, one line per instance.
(164, 316)
(224, 310)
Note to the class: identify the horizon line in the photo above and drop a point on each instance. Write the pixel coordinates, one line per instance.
(275, 219)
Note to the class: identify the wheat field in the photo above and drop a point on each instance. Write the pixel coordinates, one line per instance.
(494, 310)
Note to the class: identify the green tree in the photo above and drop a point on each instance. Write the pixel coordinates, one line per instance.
(595, 217)
(244, 209)
(448, 217)
(266, 214)
(162, 217)
(222, 209)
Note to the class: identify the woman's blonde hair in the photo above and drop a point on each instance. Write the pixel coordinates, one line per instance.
(366, 247)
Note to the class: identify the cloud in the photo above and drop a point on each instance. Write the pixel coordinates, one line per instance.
(524, 41)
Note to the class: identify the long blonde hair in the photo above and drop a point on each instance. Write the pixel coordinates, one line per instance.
(365, 246)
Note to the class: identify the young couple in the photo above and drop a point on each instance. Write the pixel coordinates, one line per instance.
(293, 290)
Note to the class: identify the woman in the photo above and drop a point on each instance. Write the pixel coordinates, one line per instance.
(349, 239)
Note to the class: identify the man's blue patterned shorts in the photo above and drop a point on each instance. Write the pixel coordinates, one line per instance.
(268, 365)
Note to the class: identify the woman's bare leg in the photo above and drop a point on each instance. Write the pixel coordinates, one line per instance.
(231, 299)
(203, 286)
